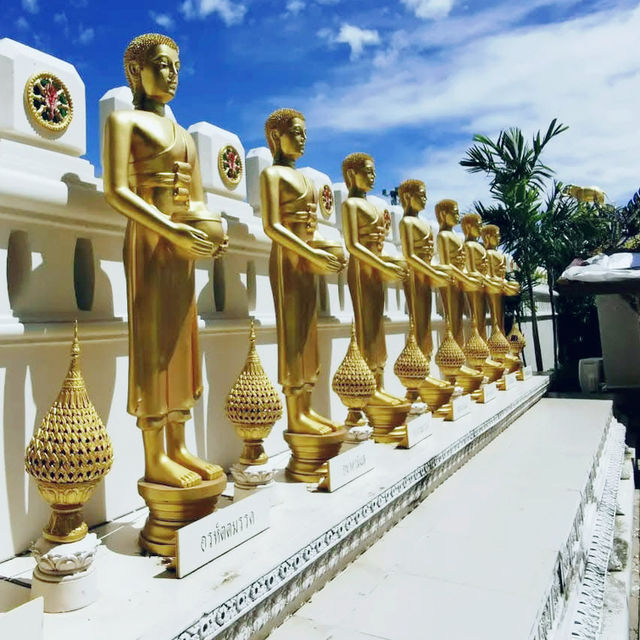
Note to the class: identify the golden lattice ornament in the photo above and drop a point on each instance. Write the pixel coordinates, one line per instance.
(69, 454)
(476, 350)
(253, 406)
(498, 344)
(354, 382)
(449, 356)
(516, 340)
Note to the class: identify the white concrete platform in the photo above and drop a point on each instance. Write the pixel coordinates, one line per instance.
(313, 535)
(495, 552)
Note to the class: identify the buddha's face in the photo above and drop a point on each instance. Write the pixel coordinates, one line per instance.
(452, 216)
(365, 177)
(491, 239)
(159, 75)
(418, 198)
(294, 138)
(471, 229)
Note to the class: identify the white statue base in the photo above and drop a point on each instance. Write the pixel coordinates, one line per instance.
(251, 479)
(417, 409)
(65, 576)
(358, 434)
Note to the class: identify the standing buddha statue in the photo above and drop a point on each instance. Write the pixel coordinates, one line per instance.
(476, 349)
(290, 219)
(497, 270)
(417, 247)
(151, 175)
(452, 263)
(365, 229)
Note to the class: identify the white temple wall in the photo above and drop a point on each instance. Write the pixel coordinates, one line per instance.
(61, 259)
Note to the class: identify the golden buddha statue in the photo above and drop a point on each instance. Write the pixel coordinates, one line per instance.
(365, 228)
(497, 271)
(417, 247)
(290, 219)
(452, 263)
(151, 175)
(476, 265)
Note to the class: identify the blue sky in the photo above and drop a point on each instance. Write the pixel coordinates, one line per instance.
(409, 81)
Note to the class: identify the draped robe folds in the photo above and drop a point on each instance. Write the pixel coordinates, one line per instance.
(164, 358)
(418, 286)
(293, 286)
(475, 256)
(367, 292)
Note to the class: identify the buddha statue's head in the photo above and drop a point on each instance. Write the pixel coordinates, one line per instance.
(359, 171)
(490, 236)
(151, 64)
(286, 133)
(471, 224)
(447, 214)
(413, 196)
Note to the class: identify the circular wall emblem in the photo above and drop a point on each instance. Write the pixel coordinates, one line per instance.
(48, 101)
(326, 201)
(230, 166)
(386, 217)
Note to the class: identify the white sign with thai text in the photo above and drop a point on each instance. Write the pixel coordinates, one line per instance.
(417, 430)
(215, 534)
(348, 466)
(510, 381)
(460, 407)
(488, 392)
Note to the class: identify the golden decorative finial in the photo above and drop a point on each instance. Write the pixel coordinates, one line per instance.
(475, 349)
(253, 406)
(449, 356)
(69, 454)
(354, 383)
(516, 340)
(498, 344)
(411, 367)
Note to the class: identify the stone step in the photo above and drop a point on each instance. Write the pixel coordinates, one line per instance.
(494, 552)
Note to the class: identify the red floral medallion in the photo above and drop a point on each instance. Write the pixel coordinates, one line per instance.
(326, 201)
(230, 166)
(48, 101)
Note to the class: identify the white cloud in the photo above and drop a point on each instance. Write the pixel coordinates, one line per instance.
(23, 23)
(230, 12)
(294, 7)
(430, 9)
(31, 6)
(584, 71)
(85, 35)
(163, 20)
(355, 37)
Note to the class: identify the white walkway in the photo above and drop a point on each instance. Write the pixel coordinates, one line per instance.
(474, 561)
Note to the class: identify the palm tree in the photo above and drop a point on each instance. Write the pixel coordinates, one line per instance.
(516, 179)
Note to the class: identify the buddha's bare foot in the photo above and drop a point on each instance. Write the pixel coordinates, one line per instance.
(322, 420)
(380, 396)
(204, 469)
(307, 425)
(166, 471)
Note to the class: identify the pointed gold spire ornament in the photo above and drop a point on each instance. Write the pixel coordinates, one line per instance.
(411, 367)
(517, 343)
(354, 383)
(449, 357)
(253, 406)
(69, 454)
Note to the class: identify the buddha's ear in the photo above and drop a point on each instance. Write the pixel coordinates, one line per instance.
(133, 68)
(274, 136)
(350, 177)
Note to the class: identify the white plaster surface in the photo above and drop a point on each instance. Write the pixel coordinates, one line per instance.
(141, 599)
(474, 559)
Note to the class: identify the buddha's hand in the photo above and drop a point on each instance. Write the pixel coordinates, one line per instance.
(395, 271)
(191, 240)
(471, 283)
(325, 262)
(222, 247)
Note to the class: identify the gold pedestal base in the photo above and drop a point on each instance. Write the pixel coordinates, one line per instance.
(512, 363)
(309, 454)
(388, 421)
(493, 370)
(469, 379)
(171, 508)
(435, 393)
